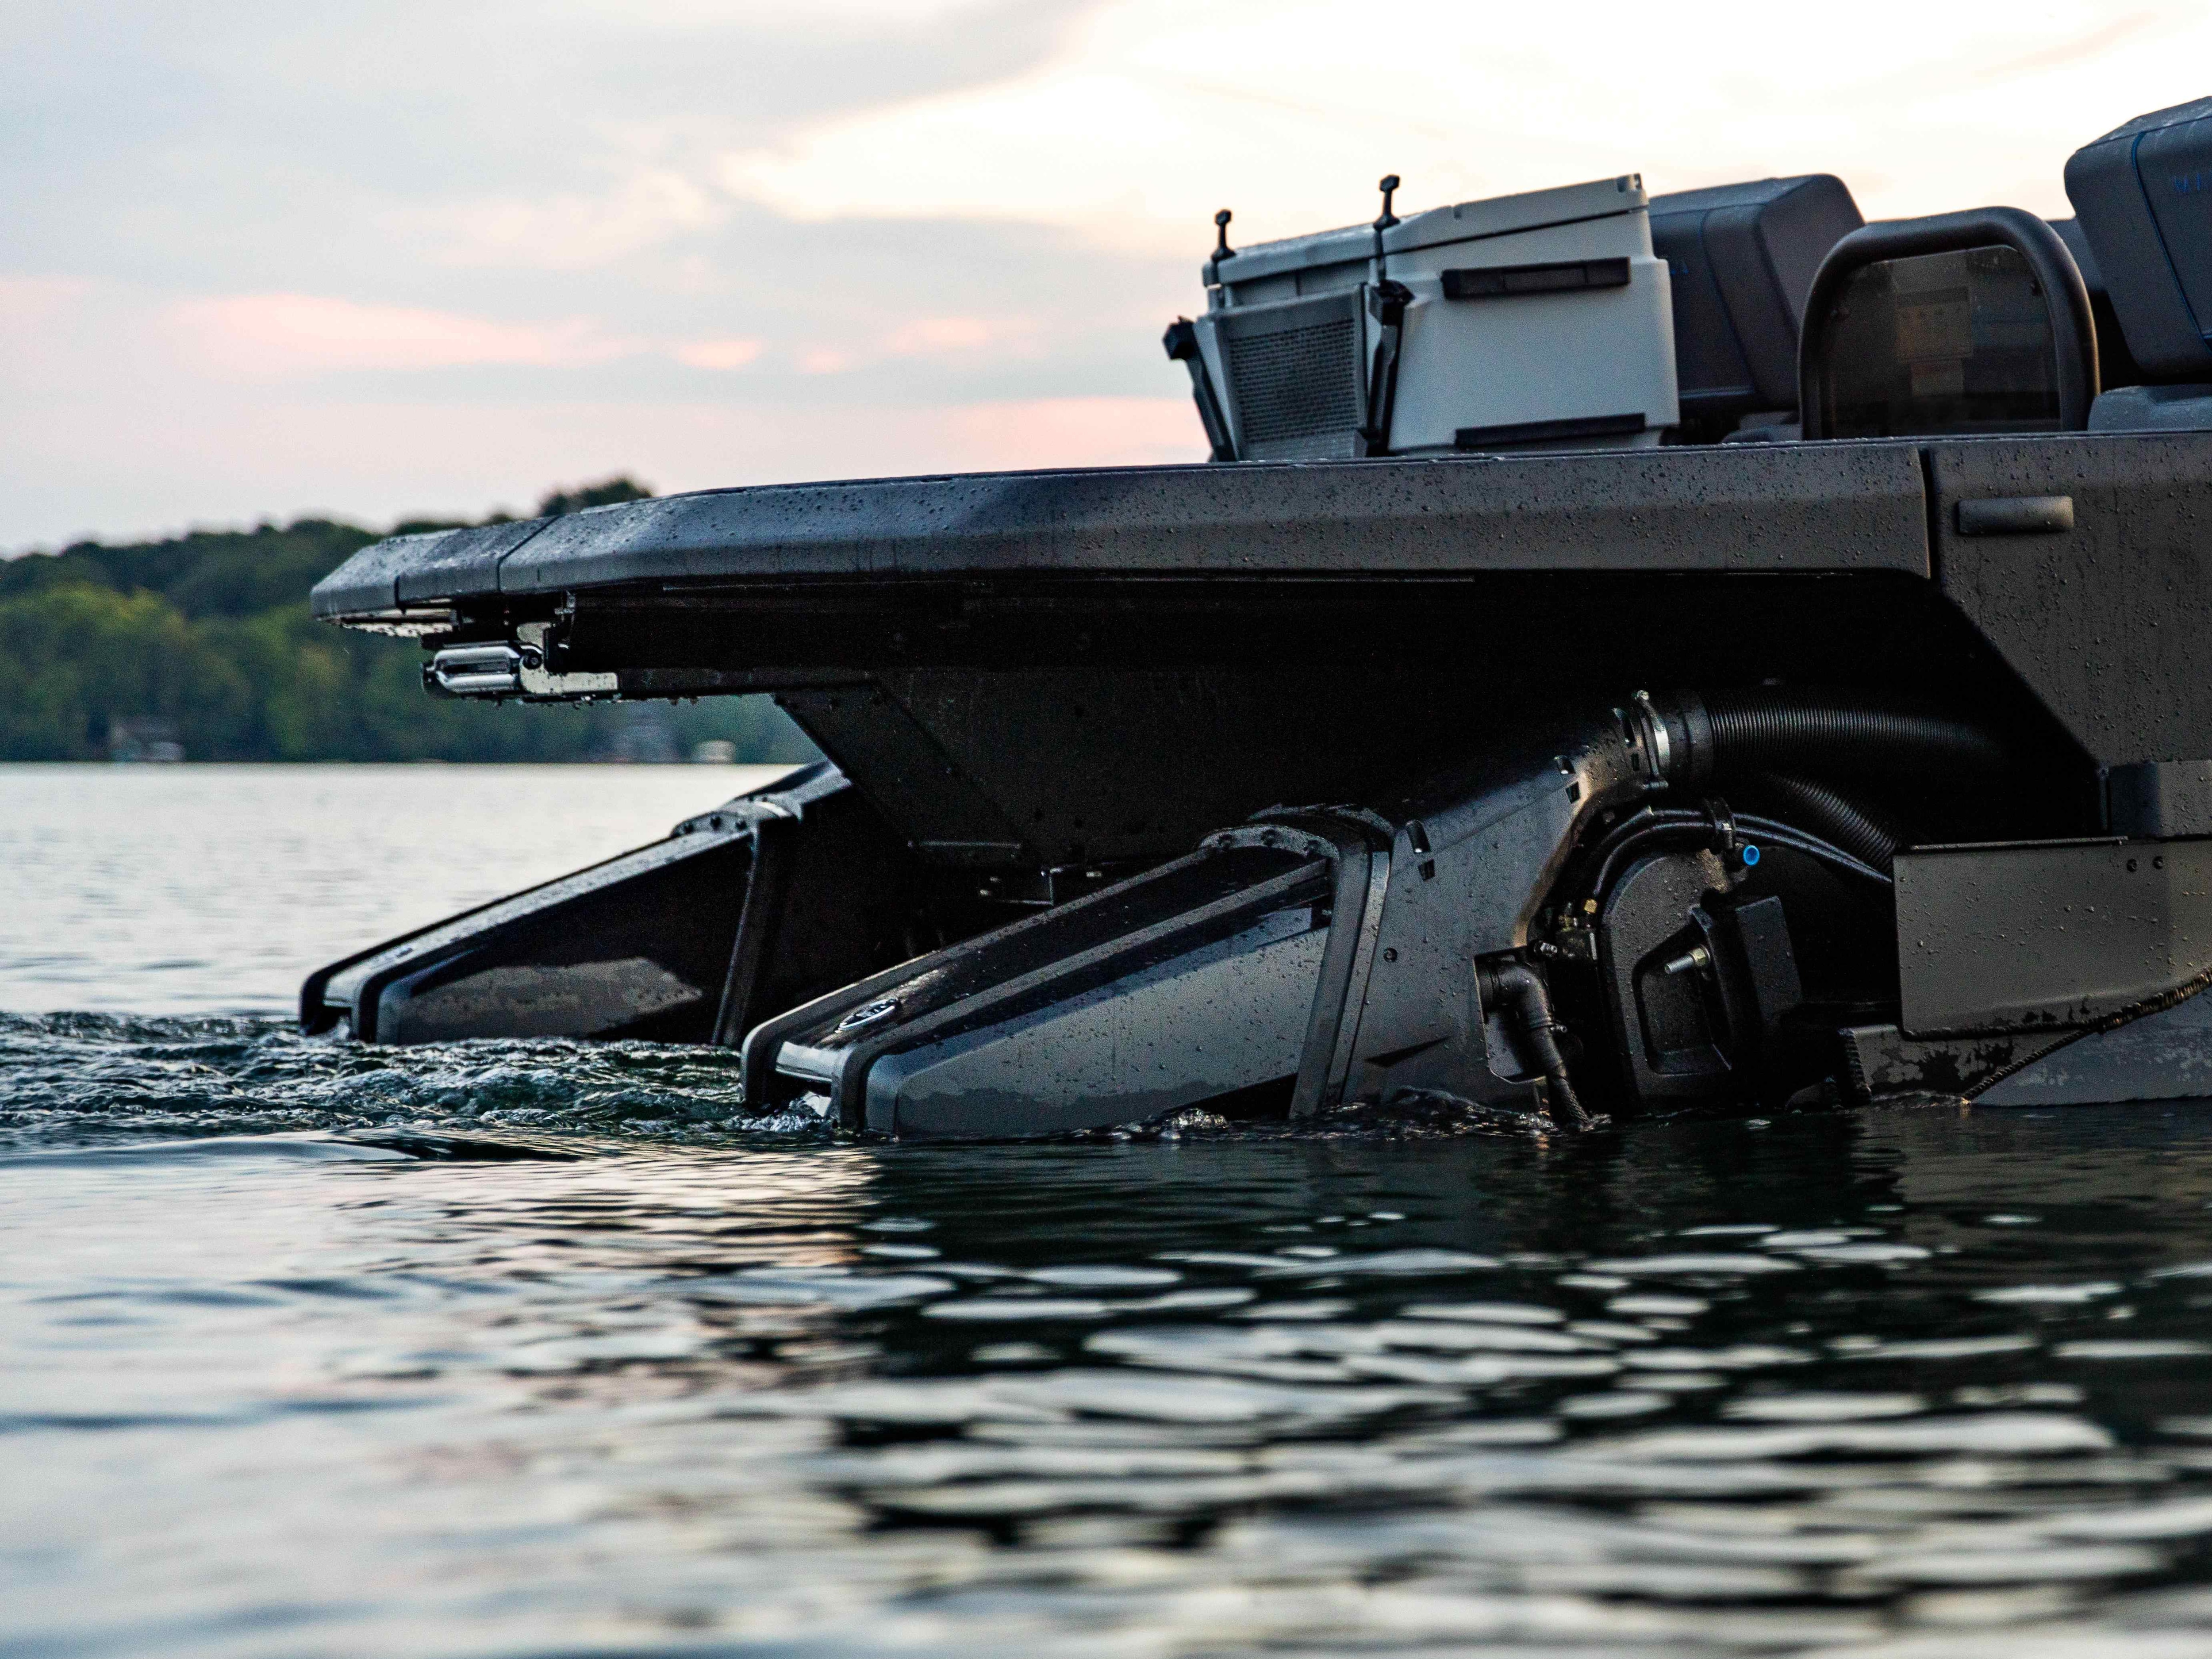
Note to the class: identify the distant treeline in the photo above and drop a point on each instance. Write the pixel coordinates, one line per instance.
(204, 641)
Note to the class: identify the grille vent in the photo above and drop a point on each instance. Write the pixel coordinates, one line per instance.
(1294, 383)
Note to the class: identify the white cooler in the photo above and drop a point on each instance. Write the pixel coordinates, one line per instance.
(1534, 321)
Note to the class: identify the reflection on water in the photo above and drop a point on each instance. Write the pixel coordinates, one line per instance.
(526, 1349)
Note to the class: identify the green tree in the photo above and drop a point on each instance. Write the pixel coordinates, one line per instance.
(210, 632)
(75, 659)
(605, 493)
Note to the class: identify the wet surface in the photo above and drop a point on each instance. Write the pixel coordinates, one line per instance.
(535, 1349)
(528, 1349)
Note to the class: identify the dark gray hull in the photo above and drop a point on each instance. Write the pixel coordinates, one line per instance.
(1039, 686)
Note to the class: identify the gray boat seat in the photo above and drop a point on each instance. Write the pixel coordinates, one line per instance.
(2138, 192)
(2152, 409)
(2116, 364)
(1740, 260)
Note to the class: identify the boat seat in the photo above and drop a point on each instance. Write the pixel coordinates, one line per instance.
(2133, 400)
(1973, 322)
(1740, 260)
(2152, 409)
(2137, 194)
(2116, 364)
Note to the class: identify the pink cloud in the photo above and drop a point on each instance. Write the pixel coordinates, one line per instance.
(716, 354)
(26, 300)
(948, 337)
(928, 336)
(278, 334)
(1051, 432)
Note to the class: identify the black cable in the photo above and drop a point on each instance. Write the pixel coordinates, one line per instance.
(1668, 822)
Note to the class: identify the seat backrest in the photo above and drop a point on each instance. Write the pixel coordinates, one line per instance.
(2143, 193)
(1741, 261)
(1959, 323)
(2116, 363)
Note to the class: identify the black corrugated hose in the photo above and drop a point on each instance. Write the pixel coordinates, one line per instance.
(1835, 818)
(1696, 737)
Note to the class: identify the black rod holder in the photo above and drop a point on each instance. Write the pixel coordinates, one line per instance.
(1388, 186)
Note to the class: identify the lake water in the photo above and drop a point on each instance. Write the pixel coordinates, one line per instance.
(512, 1349)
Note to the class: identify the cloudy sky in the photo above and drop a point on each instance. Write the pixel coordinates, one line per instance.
(267, 256)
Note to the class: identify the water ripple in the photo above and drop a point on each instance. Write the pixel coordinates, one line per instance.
(543, 1349)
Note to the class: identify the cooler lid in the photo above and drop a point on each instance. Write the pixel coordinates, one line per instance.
(1463, 221)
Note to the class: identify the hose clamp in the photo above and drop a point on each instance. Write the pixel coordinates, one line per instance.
(1653, 731)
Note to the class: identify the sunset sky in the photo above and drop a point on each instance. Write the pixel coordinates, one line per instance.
(267, 258)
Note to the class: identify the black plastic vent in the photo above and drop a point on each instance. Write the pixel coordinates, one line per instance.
(1301, 382)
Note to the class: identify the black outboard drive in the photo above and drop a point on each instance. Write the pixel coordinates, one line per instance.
(1314, 957)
